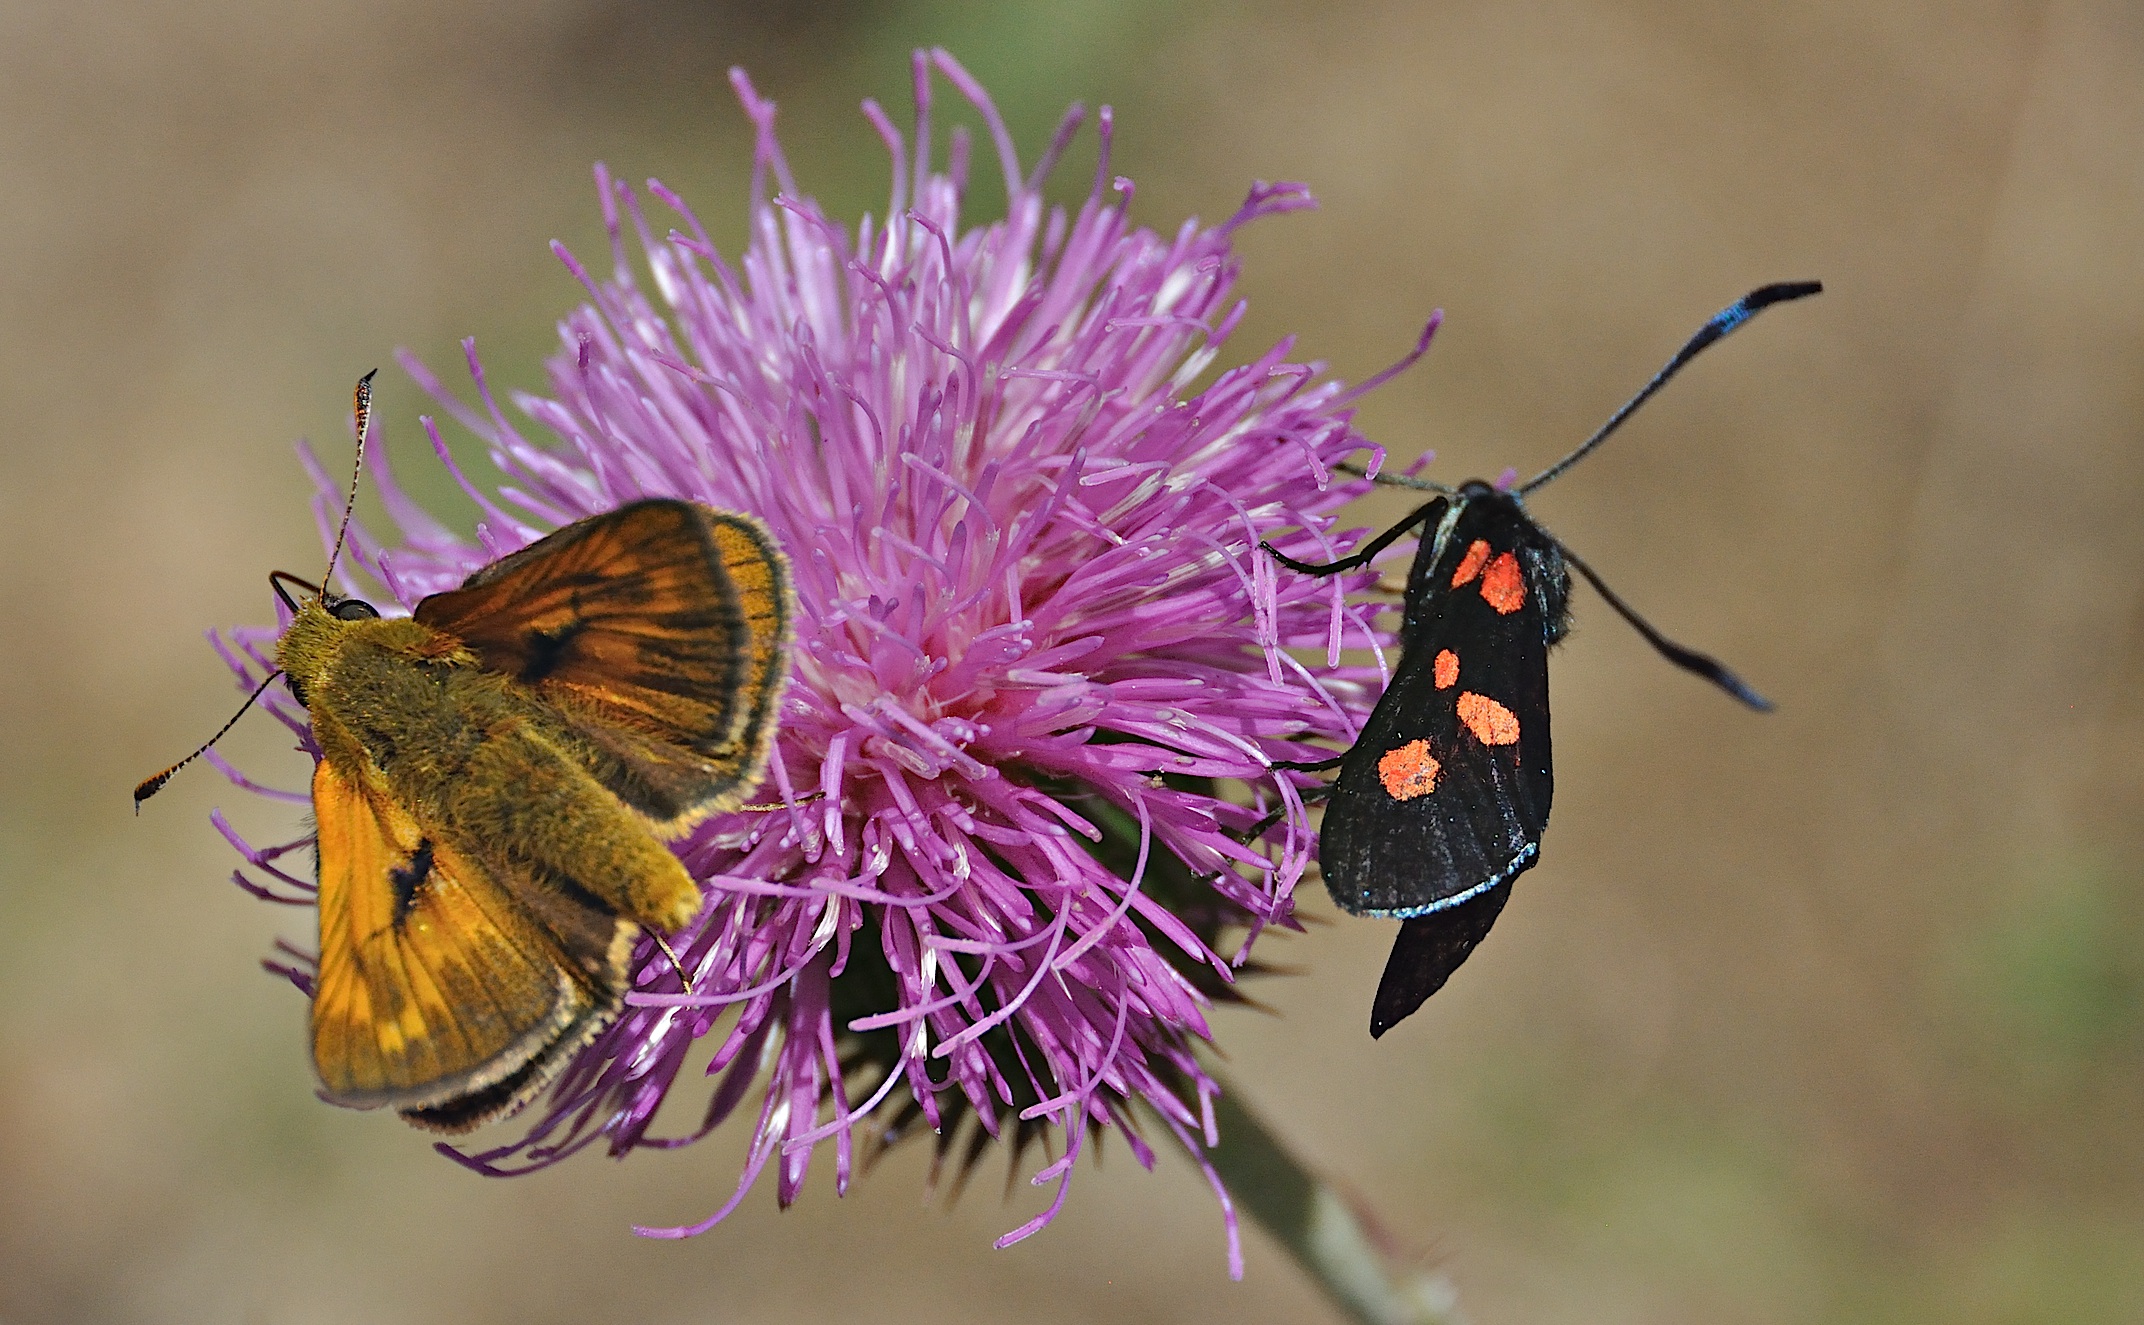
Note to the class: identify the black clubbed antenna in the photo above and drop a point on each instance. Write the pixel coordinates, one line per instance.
(1715, 330)
(150, 786)
(361, 408)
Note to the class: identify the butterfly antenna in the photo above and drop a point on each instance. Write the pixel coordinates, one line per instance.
(1715, 330)
(150, 786)
(361, 408)
(1690, 660)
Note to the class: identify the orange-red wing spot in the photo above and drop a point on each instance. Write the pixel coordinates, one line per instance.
(1409, 771)
(1470, 565)
(1491, 722)
(1504, 584)
(1446, 669)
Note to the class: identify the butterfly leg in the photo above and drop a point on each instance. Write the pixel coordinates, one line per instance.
(564, 820)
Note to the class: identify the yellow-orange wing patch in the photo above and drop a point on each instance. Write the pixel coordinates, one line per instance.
(438, 993)
(659, 631)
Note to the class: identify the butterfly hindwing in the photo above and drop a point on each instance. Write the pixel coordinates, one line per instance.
(1445, 794)
(658, 632)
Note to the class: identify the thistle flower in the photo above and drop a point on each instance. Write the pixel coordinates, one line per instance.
(1040, 674)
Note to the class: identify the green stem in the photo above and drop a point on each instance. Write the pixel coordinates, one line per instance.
(1318, 1227)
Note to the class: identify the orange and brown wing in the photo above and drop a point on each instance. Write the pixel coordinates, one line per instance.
(440, 993)
(660, 633)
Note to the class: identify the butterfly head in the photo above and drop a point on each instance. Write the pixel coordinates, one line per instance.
(321, 628)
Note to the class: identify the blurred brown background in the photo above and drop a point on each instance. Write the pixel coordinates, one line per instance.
(1836, 1015)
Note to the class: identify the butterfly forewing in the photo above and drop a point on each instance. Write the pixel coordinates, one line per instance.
(1444, 795)
(436, 984)
(658, 633)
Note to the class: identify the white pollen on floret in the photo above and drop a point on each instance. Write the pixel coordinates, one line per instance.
(1173, 287)
(666, 282)
(1194, 364)
(652, 1042)
(829, 921)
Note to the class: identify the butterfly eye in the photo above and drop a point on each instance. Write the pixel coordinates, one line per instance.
(355, 609)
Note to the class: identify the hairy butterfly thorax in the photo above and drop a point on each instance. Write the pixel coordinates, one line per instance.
(1441, 802)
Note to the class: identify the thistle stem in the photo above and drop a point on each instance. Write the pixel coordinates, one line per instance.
(1318, 1226)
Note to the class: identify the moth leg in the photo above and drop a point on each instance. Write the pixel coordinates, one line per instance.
(1265, 825)
(1362, 556)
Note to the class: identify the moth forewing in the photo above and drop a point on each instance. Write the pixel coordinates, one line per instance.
(1446, 791)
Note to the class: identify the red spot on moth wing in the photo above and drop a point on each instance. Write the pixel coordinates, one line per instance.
(1409, 771)
(1504, 584)
(1491, 722)
(1470, 565)
(1446, 669)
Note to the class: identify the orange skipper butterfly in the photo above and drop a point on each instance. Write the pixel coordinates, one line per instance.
(498, 773)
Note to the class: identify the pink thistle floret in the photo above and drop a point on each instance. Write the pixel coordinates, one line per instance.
(1041, 668)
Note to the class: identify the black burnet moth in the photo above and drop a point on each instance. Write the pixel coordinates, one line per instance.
(1441, 801)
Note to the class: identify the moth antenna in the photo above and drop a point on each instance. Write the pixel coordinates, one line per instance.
(1690, 660)
(150, 786)
(361, 408)
(682, 977)
(1714, 330)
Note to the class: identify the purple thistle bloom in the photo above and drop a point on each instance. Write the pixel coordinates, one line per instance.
(1039, 676)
